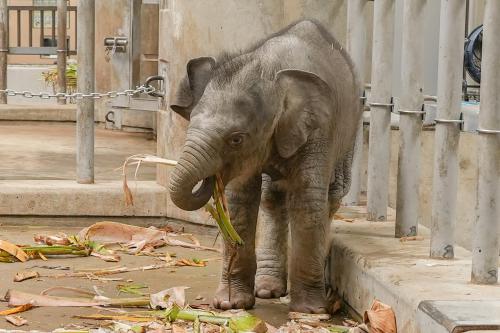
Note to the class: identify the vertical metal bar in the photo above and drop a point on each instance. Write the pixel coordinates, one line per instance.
(447, 135)
(379, 150)
(30, 25)
(42, 23)
(53, 35)
(4, 47)
(18, 28)
(85, 84)
(61, 48)
(485, 246)
(356, 45)
(410, 124)
(75, 25)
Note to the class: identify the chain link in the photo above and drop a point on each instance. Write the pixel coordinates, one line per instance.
(145, 89)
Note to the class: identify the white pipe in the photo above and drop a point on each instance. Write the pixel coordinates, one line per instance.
(447, 134)
(485, 246)
(410, 123)
(356, 46)
(379, 150)
(85, 83)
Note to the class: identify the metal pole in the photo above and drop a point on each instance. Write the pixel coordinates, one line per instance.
(356, 46)
(379, 150)
(4, 47)
(410, 123)
(62, 10)
(485, 247)
(447, 134)
(85, 84)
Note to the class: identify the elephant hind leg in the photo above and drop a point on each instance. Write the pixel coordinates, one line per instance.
(341, 182)
(272, 242)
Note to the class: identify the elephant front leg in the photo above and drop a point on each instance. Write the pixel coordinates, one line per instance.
(309, 220)
(236, 287)
(272, 240)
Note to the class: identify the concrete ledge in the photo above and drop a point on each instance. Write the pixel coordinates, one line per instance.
(67, 198)
(367, 262)
(459, 316)
(38, 113)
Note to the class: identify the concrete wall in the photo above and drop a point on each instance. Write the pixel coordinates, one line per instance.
(28, 77)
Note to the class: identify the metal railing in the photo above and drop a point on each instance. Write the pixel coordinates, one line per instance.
(486, 244)
(40, 29)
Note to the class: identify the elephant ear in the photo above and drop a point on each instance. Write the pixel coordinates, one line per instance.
(192, 86)
(306, 104)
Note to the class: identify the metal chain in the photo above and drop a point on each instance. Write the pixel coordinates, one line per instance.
(146, 89)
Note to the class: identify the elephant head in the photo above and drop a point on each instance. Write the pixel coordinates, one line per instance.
(241, 112)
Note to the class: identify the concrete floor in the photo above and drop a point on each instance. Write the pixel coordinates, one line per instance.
(46, 150)
(201, 280)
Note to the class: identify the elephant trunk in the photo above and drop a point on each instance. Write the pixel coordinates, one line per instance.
(194, 166)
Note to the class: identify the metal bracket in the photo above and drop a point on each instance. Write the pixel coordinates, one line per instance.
(117, 44)
(155, 93)
(459, 122)
(487, 131)
(384, 105)
(421, 112)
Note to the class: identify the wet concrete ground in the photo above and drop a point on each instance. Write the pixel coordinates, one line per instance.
(46, 150)
(201, 280)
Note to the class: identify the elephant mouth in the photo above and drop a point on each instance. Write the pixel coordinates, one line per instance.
(203, 187)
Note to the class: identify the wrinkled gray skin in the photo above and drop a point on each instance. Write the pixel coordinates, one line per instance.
(278, 122)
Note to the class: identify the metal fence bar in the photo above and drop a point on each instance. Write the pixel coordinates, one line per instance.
(379, 150)
(4, 47)
(42, 24)
(485, 246)
(410, 123)
(356, 45)
(85, 84)
(447, 133)
(18, 28)
(30, 29)
(53, 30)
(62, 8)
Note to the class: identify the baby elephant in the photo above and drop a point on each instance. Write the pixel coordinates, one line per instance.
(278, 122)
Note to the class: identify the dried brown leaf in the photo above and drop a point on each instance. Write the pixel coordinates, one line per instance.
(167, 298)
(25, 275)
(21, 308)
(380, 318)
(14, 250)
(189, 262)
(129, 198)
(411, 238)
(16, 320)
(57, 239)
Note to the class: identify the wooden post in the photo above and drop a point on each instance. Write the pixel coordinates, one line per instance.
(62, 9)
(4, 47)
(85, 84)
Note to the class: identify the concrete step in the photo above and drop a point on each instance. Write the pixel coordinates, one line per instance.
(38, 112)
(368, 263)
(459, 316)
(68, 198)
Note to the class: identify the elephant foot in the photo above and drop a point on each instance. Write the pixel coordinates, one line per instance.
(241, 297)
(308, 304)
(268, 286)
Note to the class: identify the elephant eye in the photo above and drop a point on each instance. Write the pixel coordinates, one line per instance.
(236, 139)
